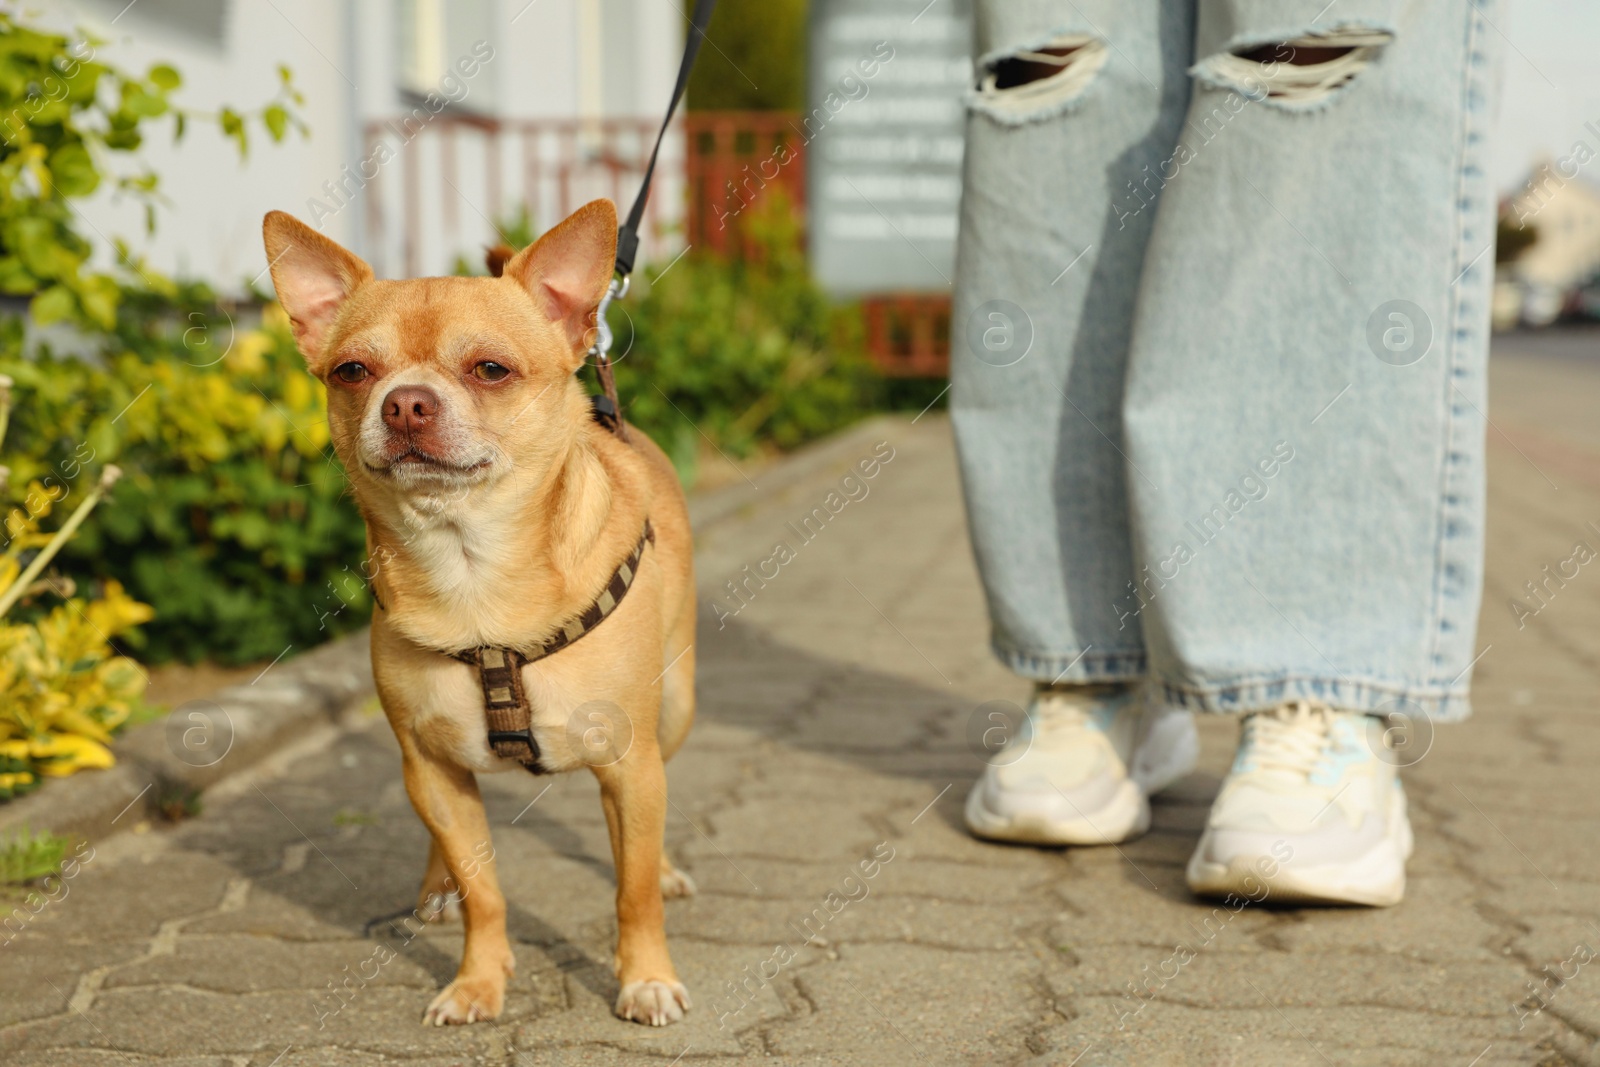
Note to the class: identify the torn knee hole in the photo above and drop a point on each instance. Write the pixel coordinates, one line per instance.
(1298, 52)
(1301, 70)
(1030, 79)
(1032, 65)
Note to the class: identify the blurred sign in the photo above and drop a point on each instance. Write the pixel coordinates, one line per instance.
(883, 135)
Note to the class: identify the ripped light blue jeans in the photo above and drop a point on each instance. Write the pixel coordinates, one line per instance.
(1220, 342)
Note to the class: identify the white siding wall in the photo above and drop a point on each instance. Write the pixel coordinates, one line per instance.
(346, 57)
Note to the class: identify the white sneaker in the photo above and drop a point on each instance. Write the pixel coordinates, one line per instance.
(1081, 770)
(1310, 812)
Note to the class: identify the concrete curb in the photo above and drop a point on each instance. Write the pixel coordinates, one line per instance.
(204, 741)
(200, 743)
(839, 450)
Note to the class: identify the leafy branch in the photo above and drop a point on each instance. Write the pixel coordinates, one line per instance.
(65, 117)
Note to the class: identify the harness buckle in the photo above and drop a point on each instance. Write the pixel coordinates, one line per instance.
(502, 736)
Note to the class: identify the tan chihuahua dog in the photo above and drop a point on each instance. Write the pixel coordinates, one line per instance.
(498, 510)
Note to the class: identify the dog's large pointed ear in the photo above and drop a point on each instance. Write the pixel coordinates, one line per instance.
(568, 269)
(313, 276)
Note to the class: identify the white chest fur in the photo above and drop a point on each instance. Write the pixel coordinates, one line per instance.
(461, 558)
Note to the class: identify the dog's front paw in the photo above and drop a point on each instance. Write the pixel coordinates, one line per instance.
(466, 1000)
(652, 1003)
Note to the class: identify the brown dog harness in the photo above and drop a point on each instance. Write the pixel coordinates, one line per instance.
(505, 702)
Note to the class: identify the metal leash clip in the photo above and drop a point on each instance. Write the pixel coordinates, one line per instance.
(607, 408)
(601, 349)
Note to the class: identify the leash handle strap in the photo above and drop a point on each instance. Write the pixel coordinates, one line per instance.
(628, 232)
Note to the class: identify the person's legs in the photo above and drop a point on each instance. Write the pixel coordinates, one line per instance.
(1054, 221)
(1304, 408)
(1076, 105)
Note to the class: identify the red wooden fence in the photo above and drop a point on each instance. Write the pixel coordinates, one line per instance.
(731, 160)
(908, 334)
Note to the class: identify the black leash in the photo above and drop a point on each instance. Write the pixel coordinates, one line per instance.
(607, 409)
(628, 232)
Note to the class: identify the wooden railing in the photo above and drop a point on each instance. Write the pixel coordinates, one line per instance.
(908, 334)
(450, 179)
(732, 160)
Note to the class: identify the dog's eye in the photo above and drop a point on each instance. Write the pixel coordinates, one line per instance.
(491, 372)
(350, 372)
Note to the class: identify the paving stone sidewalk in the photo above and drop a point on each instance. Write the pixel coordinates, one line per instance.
(835, 712)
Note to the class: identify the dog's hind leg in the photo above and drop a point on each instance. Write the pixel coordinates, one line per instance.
(674, 883)
(677, 685)
(447, 799)
(677, 715)
(439, 900)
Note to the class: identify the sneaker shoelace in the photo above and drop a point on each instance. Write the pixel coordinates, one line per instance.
(1290, 739)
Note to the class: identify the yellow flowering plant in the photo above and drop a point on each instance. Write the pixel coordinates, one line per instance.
(63, 688)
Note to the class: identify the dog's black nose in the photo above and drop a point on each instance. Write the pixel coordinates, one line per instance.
(410, 408)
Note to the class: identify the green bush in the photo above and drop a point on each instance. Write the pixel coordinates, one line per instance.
(63, 116)
(759, 59)
(231, 509)
(232, 519)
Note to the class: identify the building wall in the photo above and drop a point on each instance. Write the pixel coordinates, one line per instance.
(1566, 213)
(349, 59)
